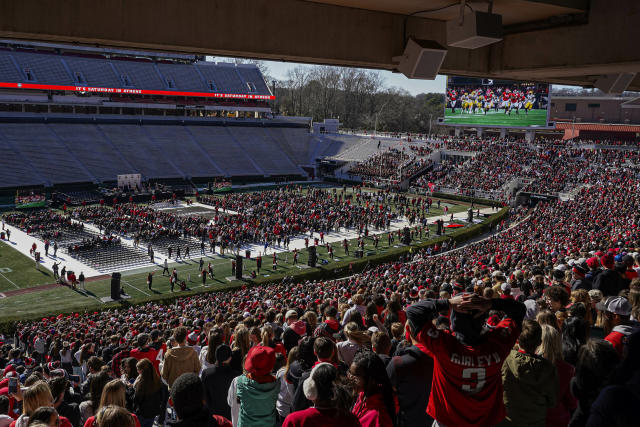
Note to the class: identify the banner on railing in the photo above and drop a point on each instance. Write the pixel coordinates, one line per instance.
(128, 91)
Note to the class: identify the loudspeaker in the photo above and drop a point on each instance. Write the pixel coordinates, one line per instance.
(115, 286)
(477, 30)
(421, 59)
(312, 256)
(238, 267)
(406, 236)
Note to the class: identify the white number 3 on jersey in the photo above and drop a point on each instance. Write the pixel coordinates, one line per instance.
(480, 379)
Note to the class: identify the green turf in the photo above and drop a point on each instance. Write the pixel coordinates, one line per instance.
(492, 118)
(63, 299)
(18, 271)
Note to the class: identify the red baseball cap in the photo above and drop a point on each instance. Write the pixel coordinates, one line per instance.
(260, 360)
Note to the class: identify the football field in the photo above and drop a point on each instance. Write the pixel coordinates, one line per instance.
(18, 274)
(493, 118)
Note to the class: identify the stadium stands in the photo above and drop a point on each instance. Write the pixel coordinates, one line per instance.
(8, 69)
(50, 68)
(90, 147)
(184, 152)
(223, 76)
(224, 150)
(43, 68)
(266, 154)
(49, 157)
(93, 73)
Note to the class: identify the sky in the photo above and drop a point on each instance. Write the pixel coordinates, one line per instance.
(413, 86)
(278, 70)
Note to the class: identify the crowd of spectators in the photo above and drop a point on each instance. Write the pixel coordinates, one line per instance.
(535, 325)
(543, 167)
(392, 165)
(45, 223)
(96, 242)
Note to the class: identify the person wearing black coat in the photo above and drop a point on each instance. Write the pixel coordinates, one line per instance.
(150, 394)
(410, 372)
(216, 381)
(609, 282)
(186, 396)
(597, 360)
(617, 404)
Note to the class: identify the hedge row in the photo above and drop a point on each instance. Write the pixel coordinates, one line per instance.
(332, 271)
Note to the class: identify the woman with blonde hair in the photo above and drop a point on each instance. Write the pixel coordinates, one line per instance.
(113, 394)
(311, 318)
(36, 396)
(582, 295)
(356, 339)
(240, 346)
(115, 416)
(268, 339)
(551, 349)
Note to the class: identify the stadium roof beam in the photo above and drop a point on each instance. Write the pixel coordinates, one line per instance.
(562, 41)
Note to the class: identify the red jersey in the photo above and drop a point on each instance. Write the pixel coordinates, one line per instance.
(314, 417)
(619, 336)
(505, 96)
(147, 353)
(467, 381)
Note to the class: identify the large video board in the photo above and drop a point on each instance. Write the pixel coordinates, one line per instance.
(496, 103)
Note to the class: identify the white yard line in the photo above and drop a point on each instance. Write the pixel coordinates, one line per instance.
(135, 287)
(10, 281)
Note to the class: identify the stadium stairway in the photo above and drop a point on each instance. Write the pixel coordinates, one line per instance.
(224, 150)
(243, 149)
(117, 150)
(49, 157)
(282, 145)
(72, 154)
(204, 153)
(93, 150)
(15, 169)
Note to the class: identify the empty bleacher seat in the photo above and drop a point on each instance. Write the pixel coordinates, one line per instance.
(141, 75)
(50, 158)
(8, 70)
(96, 72)
(90, 147)
(177, 143)
(223, 150)
(263, 150)
(224, 76)
(185, 77)
(145, 156)
(44, 68)
(253, 75)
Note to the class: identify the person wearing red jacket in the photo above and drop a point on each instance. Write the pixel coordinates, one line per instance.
(145, 352)
(467, 376)
(618, 322)
(375, 404)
